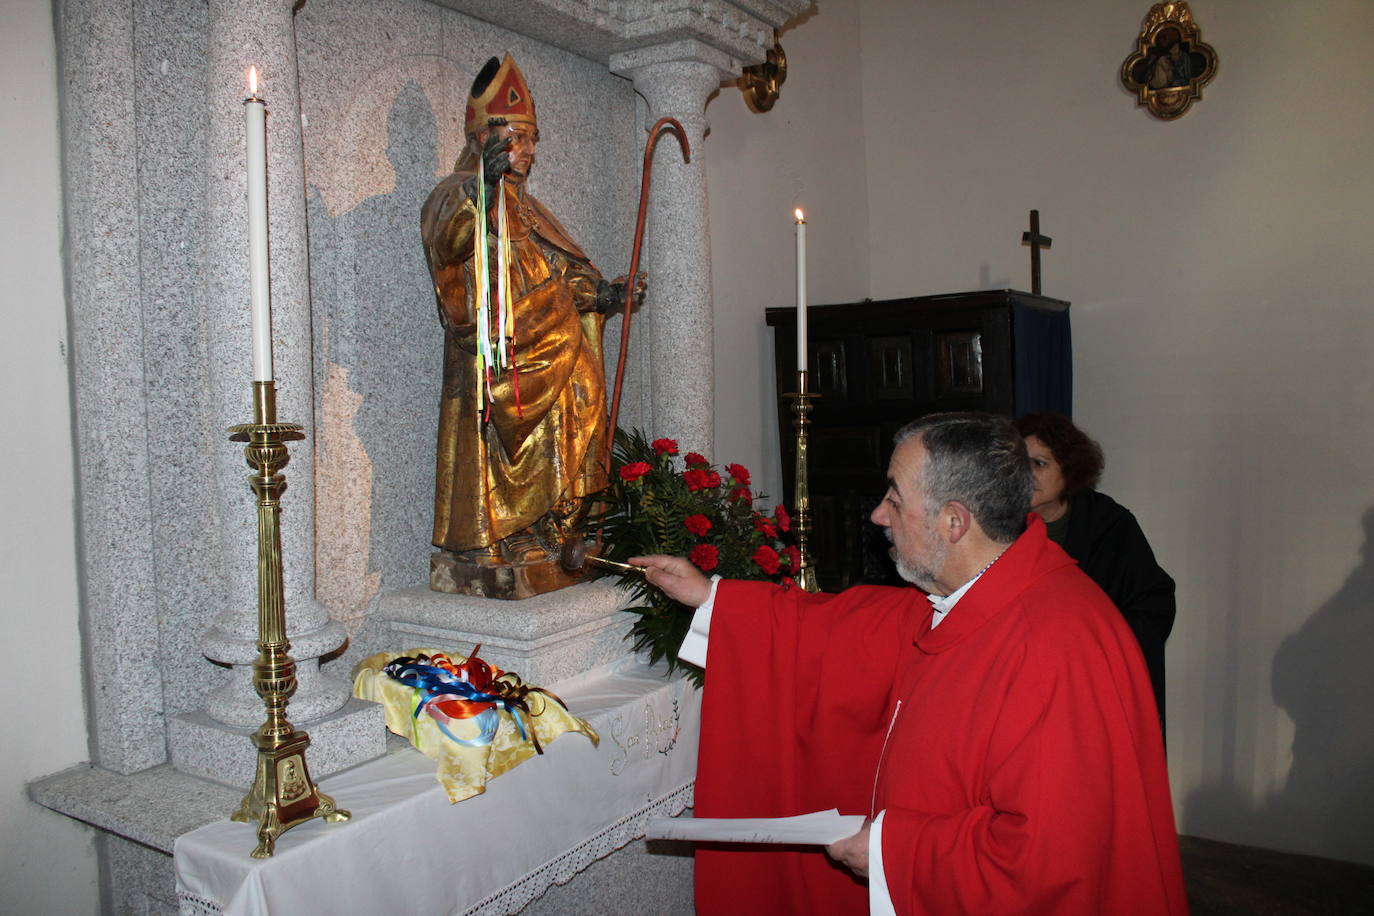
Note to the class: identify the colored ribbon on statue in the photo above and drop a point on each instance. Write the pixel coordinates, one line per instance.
(495, 331)
(505, 297)
(469, 690)
(482, 293)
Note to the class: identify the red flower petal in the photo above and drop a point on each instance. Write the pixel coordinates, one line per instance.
(632, 472)
(705, 557)
(767, 559)
(697, 524)
(740, 473)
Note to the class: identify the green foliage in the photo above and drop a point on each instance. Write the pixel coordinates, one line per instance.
(652, 497)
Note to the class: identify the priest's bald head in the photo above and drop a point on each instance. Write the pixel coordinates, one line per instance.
(959, 490)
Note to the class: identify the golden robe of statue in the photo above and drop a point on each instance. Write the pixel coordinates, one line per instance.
(513, 474)
(520, 467)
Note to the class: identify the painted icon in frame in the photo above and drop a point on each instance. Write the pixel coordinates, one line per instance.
(1171, 63)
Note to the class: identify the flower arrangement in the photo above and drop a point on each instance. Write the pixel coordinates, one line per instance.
(694, 510)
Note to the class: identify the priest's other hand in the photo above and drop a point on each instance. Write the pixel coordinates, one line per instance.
(678, 578)
(852, 851)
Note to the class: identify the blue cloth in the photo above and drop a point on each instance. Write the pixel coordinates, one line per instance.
(1043, 345)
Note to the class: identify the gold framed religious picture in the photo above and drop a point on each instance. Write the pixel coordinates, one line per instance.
(1171, 63)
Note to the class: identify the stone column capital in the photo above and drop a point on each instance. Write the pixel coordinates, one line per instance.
(676, 79)
(649, 59)
(603, 30)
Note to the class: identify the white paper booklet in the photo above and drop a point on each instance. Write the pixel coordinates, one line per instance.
(819, 828)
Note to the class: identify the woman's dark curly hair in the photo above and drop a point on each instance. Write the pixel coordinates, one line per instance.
(1080, 458)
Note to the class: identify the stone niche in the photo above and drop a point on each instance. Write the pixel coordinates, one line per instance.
(365, 104)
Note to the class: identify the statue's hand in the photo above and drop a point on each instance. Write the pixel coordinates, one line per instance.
(610, 294)
(495, 163)
(496, 153)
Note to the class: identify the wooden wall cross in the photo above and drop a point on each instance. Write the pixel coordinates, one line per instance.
(1036, 242)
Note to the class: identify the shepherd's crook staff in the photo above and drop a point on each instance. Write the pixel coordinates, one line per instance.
(575, 554)
(630, 283)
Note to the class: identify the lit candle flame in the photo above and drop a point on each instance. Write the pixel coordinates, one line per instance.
(801, 217)
(253, 85)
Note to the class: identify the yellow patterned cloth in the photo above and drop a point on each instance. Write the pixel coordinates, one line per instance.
(463, 771)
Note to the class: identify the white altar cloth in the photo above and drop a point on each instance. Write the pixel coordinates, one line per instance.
(407, 850)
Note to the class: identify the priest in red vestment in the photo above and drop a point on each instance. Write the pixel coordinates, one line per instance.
(997, 727)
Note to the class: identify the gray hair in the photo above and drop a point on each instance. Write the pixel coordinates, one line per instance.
(979, 460)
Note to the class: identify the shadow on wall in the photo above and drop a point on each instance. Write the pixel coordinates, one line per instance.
(1321, 678)
(379, 357)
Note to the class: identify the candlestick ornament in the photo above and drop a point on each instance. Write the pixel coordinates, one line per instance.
(801, 491)
(283, 794)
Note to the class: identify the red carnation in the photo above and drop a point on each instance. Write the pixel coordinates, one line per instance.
(665, 446)
(740, 473)
(697, 524)
(767, 558)
(765, 526)
(632, 472)
(694, 460)
(705, 557)
(695, 478)
(793, 557)
(712, 479)
(784, 520)
(741, 493)
(788, 582)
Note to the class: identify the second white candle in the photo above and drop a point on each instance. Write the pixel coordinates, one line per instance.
(801, 291)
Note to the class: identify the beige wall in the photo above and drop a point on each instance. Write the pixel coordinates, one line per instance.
(1219, 268)
(47, 862)
(807, 152)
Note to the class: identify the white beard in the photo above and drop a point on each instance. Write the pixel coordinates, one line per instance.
(921, 572)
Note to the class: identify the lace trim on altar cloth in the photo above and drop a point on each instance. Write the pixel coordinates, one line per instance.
(515, 897)
(189, 904)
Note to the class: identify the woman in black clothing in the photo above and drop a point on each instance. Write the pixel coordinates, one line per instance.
(1100, 533)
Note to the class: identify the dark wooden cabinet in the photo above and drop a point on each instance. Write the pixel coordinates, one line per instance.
(874, 366)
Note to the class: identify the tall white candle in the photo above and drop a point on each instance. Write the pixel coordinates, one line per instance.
(255, 117)
(801, 291)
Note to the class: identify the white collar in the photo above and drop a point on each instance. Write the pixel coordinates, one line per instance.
(943, 604)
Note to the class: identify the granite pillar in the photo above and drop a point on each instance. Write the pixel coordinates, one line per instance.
(261, 34)
(101, 200)
(675, 80)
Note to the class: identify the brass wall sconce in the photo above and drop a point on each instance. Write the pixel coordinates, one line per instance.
(761, 83)
(1171, 62)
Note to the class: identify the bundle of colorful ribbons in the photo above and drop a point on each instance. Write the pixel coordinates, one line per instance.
(470, 689)
(472, 719)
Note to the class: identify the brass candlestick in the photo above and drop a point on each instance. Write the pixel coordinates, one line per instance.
(283, 794)
(801, 408)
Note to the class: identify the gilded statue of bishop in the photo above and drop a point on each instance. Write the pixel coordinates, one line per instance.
(523, 411)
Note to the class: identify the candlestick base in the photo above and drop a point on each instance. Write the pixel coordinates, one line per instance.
(283, 794)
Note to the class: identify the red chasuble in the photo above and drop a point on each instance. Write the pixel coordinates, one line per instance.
(1015, 747)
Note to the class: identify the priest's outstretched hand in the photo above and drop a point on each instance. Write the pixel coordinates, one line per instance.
(678, 578)
(852, 851)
